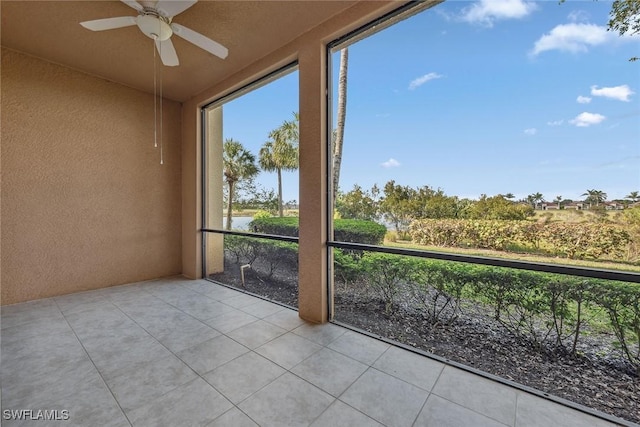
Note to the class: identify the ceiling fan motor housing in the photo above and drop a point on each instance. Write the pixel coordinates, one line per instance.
(154, 26)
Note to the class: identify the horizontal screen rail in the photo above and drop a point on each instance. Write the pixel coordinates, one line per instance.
(497, 262)
(289, 239)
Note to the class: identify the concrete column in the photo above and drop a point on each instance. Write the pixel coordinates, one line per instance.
(313, 280)
(214, 183)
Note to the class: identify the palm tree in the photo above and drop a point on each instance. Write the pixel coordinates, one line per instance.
(595, 196)
(558, 200)
(634, 196)
(534, 199)
(509, 196)
(341, 116)
(281, 153)
(238, 164)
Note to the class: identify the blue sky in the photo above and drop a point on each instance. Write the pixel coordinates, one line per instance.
(480, 97)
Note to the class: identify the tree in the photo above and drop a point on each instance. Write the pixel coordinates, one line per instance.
(358, 204)
(398, 207)
(281, 153)
(634, 196)
(625, 18)
(497, 207)
(558, 200)
(509, 196)
(534, 199)
(342, 112)
(595, 196)
(238, 164)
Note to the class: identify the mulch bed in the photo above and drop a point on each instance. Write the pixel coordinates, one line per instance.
(598, 378)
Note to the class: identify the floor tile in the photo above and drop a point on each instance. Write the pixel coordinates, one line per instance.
(320, 334)
(81, 301)
(482, 395)
(91, 404)
(386, 399)
(38, 356)
(201, 307)
(227, 322)
(233, 418)
(288, 401)
(240, 300)
(533, 411)
(360, 347)
(17, 314)
(37, 328)
(192, 404)
(39, 385)
(262, 309)
(208, 355)
(286, 319)
(136, 385)
(288, 350)
(330, 371)
(181, 331)
(111, 357)
(439, 412)
(255, 334)
(410, 367)
(340, 414)
(243, 376)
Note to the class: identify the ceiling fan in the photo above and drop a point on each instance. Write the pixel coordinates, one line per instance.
(155, 21)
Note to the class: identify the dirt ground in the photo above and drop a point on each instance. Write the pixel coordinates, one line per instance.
(598, 377)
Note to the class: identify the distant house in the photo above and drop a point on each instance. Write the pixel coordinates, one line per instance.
(576, 205)
(613, 206)
(547, 206)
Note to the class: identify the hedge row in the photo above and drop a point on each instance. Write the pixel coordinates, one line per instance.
(346, 230)
(546, 309)
(573, 240)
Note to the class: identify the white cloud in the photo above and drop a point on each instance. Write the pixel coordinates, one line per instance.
(587, 119)
(486, 12)
(555, 122)
(573, 37)
(423, 79)
(621, 93)
(583, 99)
(578, 16)
(531, 131)
(391, 163)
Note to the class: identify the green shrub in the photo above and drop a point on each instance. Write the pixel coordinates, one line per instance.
(386, 273)
(273, 254)
(281, 226)
(346, 230)
(359, 231)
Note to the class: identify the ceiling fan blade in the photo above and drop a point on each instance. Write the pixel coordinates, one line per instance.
(167, 53)
(170, 8)
(201, 41)
(134, 4)
(109, 23)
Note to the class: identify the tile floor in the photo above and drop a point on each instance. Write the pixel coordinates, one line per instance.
(177, 352)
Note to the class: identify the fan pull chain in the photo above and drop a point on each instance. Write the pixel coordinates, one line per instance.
(161, 153)
(155, 105)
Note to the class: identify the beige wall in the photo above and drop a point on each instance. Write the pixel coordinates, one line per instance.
(85, 202)
(309, 50)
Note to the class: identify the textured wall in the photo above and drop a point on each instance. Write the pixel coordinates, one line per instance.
(85, 202)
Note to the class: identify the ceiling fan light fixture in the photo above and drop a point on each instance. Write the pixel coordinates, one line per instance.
(154, 27)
